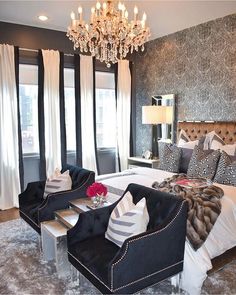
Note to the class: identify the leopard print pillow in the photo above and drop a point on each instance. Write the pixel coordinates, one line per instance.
(170, 158)
(203, 163)
(226, 170)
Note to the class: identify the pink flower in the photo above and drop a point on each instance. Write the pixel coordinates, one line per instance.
(96, 189)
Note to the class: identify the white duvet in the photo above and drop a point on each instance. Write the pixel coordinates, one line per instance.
(221, 238)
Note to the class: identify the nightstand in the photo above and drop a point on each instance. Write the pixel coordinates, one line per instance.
(134, 162)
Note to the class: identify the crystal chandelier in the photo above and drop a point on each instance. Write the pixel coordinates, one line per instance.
(109, 36)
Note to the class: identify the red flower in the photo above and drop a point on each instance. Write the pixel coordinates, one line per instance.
(96, 189)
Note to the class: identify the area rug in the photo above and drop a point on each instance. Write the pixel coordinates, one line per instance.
(23, 270)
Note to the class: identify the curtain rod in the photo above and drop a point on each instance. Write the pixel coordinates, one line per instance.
(35, 50)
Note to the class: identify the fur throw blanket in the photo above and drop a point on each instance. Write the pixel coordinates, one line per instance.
(204, 207)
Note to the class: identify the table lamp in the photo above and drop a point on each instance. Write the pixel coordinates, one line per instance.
(156, 115)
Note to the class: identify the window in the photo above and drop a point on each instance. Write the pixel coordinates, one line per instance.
(28, 86)
(70, 109)
(105, 110)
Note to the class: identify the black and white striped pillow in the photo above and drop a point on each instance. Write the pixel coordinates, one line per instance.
(226, 170)
(203, 163)
(127, 220)
(57, 183)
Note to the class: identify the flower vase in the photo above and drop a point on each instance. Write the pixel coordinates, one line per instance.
(98, 201)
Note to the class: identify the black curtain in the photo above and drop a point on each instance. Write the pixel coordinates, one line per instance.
(116, 84)
(42, 166)
(132, 114)
(21, 164)
(78, 111)
(94, 117)
(62, 111)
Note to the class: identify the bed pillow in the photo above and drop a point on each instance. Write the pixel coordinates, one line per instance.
(203, 163)
(127, 220)
(213, 141)
(230, 149)
(186, 155)
(170, 158)
(183, 138)
(58, 182)
(226, 170)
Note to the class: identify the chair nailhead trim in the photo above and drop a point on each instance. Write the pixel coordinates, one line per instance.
(140, 238)
(113, 290)
(148, 276)
(90, 271)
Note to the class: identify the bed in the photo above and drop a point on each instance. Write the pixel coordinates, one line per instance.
(223, 235)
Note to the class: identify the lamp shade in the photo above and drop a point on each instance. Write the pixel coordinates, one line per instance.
(157, 114)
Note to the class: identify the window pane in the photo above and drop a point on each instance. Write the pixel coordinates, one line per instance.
(28, 80)
(105, 110)
(70, 109)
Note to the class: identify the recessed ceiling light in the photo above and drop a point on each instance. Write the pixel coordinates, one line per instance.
(43, 18)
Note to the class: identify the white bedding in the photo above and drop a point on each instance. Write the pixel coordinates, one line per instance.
(221, 238)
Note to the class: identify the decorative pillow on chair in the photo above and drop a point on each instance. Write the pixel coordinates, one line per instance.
(127, 220)
(170, 158)
(58, 182)
(226, 170)
(203, 163)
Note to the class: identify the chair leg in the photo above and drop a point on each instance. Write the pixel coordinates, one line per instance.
(175, 282)
(40, 244)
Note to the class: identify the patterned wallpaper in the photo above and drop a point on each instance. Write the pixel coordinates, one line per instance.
(198, 65)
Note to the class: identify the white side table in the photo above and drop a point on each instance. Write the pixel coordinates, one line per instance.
(54, 245)
(134, 162)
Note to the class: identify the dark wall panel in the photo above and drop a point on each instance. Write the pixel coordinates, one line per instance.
(34, 38)
(198, 65)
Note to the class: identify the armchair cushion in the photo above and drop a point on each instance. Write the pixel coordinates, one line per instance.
(127, 220)
(97, 254)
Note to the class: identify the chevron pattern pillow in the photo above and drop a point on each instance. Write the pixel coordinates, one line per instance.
(57, 182)
(127, 220)
(226, 170)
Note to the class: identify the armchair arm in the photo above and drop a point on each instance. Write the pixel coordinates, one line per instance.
(33, 191)
(58, 201)
(90, 224)
(163, 249)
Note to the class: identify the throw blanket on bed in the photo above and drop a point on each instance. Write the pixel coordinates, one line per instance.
(204, 207)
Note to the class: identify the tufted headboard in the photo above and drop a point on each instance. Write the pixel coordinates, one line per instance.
(226, 130)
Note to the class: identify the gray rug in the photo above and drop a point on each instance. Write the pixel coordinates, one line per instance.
(23, 271)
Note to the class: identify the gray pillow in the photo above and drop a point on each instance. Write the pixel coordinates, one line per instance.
(226, 170)
(203, 163)
(170, 158)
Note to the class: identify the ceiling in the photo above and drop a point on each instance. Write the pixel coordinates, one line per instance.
(164, 17)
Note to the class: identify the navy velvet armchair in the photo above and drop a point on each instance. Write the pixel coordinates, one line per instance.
(143, 260)
(34, 208)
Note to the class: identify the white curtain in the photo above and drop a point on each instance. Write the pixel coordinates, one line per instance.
(51, 61)
(9, 157)
(87, 113)
(123, 111)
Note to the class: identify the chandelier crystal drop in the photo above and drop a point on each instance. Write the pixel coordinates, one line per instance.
(109, 36)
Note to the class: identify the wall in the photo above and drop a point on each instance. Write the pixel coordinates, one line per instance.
(198, 65)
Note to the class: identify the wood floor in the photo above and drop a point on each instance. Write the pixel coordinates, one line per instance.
(218, 262)
(6, 215)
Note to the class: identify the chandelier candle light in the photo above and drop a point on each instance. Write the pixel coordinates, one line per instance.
(109, 36)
